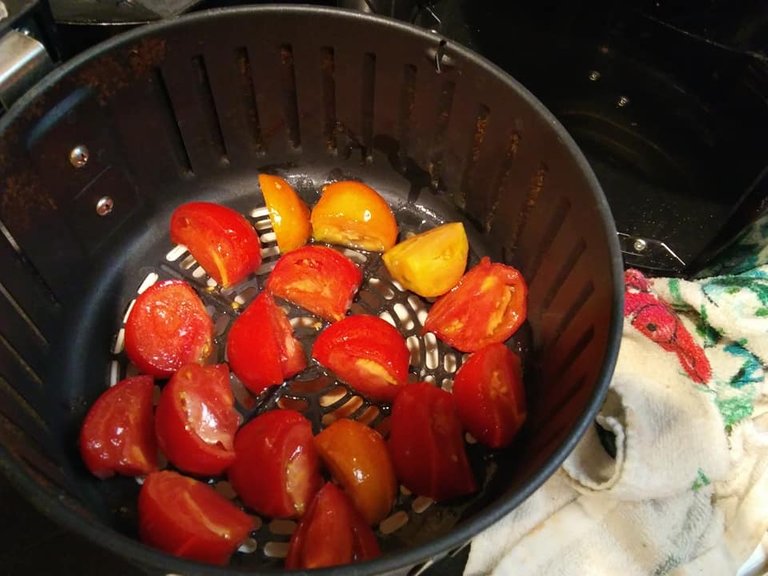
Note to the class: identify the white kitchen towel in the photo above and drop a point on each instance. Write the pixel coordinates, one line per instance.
(677, 482)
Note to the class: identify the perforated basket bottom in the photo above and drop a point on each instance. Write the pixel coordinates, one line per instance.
(315, 392)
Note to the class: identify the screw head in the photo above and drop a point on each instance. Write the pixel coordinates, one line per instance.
(623, 101)
(640, 245)
(78, 156)
(594, 75)
(104, 206)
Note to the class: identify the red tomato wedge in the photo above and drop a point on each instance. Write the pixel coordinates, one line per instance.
(365, 352)
(118, 434)
(187, 518)
(489, 395)
(426, 443)
(196, 420)
(487, 305)
(276, 469)
(318, 279)
(357, 458)
(261, 348)
(167, 328)
(330, 534)
(221, 240)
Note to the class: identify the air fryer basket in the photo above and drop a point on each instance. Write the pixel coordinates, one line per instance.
(93, 160)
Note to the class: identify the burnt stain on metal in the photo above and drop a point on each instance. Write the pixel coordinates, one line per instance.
(22, 199)
(108, 75)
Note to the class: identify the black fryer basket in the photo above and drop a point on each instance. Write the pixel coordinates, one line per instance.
(93, 160)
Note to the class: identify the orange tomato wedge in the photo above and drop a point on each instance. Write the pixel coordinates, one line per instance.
(352, 214)
(430, 263)
(287, 212)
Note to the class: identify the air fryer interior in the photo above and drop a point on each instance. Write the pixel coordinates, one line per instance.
(195, 109)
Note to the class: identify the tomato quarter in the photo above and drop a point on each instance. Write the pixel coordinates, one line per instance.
(487, 305)
(187, 518)
(118, 434)
(426, 443)
(196, 420)
(261, 348)
(365, 352)
(221, 240)
(355, 215)
(287, 212)
(167, 328)
(318, 279)
(489, 395)
(430, 263)
(358, 459)
(330, 534)
(277, 469)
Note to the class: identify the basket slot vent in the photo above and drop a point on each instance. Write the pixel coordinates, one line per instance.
(405, 116)
(561, 414)
(172, 128)
(367, 103)
(17, 443)
(556, 375)
(16, 366)
(575, 307)
(443, 118)
(501, 184)
(26, 337)
(482, 117)
(553, 228)
(19, 411)
(564, 272)
(248, 95)
(208, 107)
(565, 394)
(290, 99)
(535, 188)
(328, 88)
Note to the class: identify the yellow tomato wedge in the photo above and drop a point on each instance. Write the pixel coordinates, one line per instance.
(287, 212)
(352, 214)
(430, 263)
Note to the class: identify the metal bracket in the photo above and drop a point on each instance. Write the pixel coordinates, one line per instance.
(649, 253)
(23, 61)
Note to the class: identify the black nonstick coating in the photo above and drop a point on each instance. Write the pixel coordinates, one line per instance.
(194, 109)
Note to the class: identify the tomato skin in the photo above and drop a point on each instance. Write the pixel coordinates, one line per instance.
(488, 305)
(318, 279)
(276, 470)
(167, 328)
(196, 420)
(221, 240)
(118, 433)
(430, 263)
(365, 352)
(352, 214)
(357, 458)
(426, 443)
(489, 395)
(331, 533)
(287, 212)
(189, 519)
(261, 348)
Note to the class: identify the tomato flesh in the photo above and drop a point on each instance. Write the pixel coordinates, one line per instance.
(430, 263)
(196, 420)
(288, 213)
(189, 519)
(365, 352)
(276, 471)
(355, 215)
(488, 305)
(261, 348)
(118, 433)
(318, 279)
(489, 395)
(167, 328)
(358, 460)
(426, 443)
(331, 533)
(221, 240)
